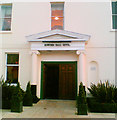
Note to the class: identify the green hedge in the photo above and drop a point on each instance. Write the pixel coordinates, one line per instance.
(95, 106)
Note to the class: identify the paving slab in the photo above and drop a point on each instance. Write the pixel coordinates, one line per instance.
(53, 109)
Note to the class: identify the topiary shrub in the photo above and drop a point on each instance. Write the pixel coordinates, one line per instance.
(81, 101)
(7, 91)
(27, 100)
(17, 100)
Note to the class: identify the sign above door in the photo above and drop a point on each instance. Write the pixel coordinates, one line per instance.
(58, 40)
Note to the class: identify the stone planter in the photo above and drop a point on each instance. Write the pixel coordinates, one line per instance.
(17, 106)
(82, 109)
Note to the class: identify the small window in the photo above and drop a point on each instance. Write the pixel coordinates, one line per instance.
(57, 15)
(5, 17)
(12, 68)
(114, 15)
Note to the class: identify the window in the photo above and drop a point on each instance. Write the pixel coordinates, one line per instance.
(12, 67)
(114, 15)
(57, 15)
(5, 17)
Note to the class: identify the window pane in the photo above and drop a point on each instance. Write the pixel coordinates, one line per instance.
(57, 13)
(0, 24)
(114, 21)
(57, 16)
(12, 74)
(12, 59)
(114, 7)
(57, 6)
(6, 11)
(6, 24)
(56, 24)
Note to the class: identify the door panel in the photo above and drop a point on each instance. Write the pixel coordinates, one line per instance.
(67, 81)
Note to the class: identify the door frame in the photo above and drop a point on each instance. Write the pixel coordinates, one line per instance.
(57, 62)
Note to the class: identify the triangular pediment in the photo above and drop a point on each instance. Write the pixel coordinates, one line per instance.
(58, 35)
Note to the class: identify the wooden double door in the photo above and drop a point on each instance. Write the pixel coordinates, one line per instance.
(59, 81)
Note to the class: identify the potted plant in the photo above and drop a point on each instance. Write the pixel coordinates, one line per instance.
(17, 100)
(81, 101)
(104, 98)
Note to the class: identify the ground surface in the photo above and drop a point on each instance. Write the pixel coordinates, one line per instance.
(53, 109)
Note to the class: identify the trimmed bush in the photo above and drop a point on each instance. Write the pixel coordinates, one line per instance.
(7, 92)
(27, 100)
(17, 100)
(81, 101)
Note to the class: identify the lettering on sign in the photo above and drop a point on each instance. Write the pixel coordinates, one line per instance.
(57, 44)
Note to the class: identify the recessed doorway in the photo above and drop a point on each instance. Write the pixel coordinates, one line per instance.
(59, 80)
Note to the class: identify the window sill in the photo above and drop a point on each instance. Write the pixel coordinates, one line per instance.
(113, 30)
(5, 32)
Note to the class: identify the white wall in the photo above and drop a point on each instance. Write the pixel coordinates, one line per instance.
(88, 18)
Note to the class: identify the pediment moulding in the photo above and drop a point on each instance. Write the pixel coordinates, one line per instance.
(58, 35)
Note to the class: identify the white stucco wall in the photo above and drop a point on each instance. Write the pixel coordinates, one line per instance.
(92, 18)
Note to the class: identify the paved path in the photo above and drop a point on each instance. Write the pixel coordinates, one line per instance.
(53, 109)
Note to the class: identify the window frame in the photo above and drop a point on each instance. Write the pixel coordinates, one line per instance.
(58, 16)
(5, 4)
(6, 65)
(112, 29)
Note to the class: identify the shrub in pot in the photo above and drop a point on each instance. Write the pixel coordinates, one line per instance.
(81, 101)
(27, 100)
(7, 91)
(17, 100)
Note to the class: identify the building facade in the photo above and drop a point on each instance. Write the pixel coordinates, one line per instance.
(57, 44)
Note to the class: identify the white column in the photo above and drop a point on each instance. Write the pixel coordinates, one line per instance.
(82, 67)
(34, 67)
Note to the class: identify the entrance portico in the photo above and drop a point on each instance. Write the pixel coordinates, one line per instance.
(55, 41)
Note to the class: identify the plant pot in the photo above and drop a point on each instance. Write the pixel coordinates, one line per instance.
(17, 106)
(103, 107)
(82, 109)
(6, 104)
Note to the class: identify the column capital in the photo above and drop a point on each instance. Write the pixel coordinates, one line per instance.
(35, 52)
(80, 52)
